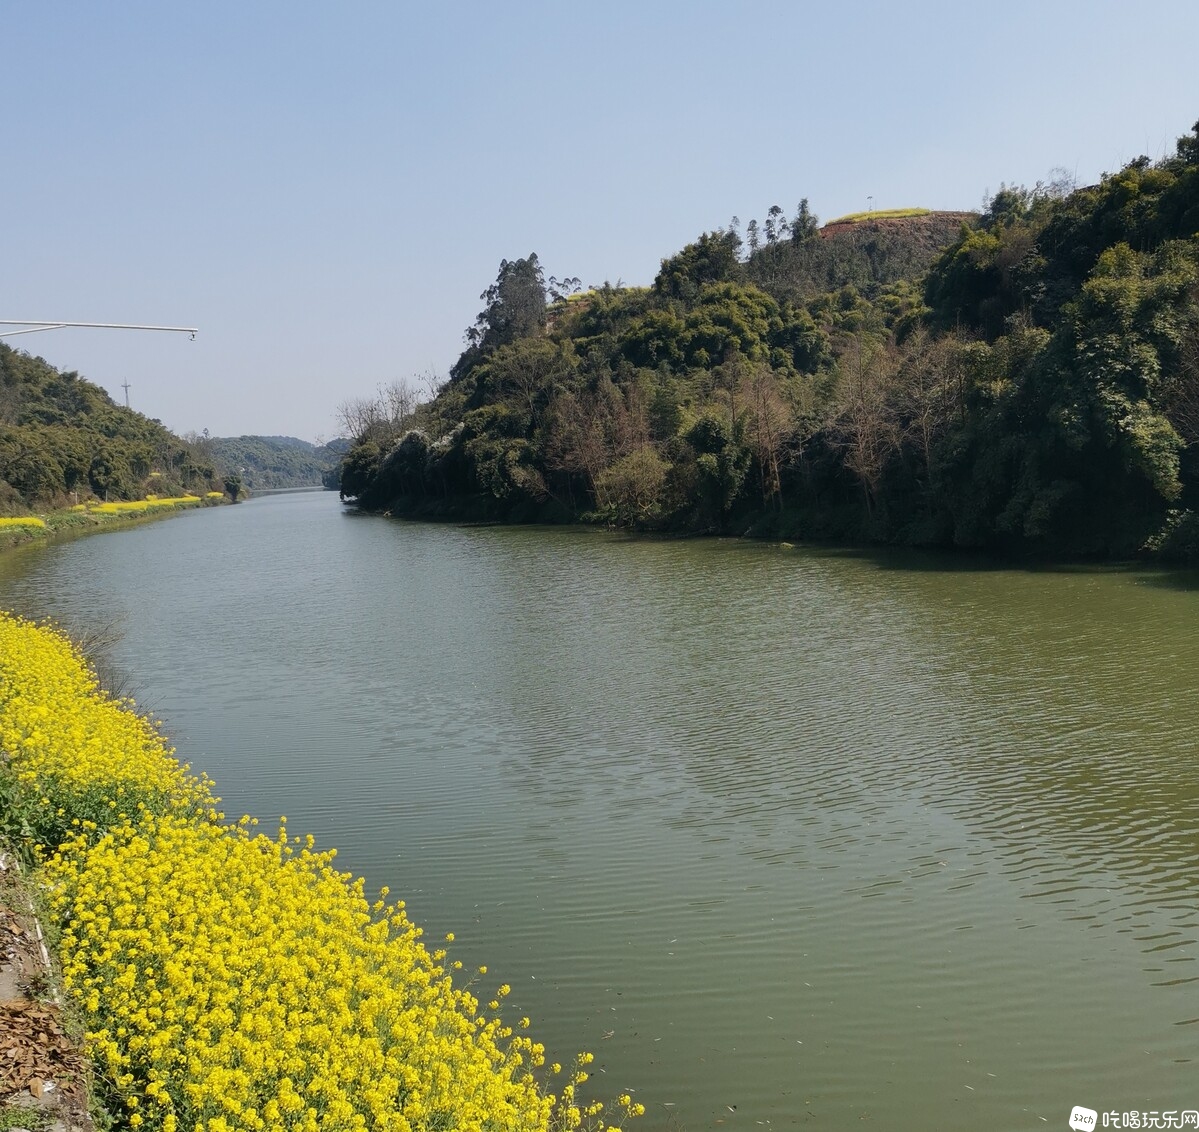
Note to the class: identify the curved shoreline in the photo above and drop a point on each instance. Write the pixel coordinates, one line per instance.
(225, 979)
(63, 526)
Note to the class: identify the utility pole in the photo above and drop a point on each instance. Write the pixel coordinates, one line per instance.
(32, 326)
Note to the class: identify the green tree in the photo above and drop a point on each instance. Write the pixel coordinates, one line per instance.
(525, 374)
(630, 490)
(805, 224)
(516, 305)
(30, 465)
(713, 258)
(776, 224)
(721, 463)
(110, 473)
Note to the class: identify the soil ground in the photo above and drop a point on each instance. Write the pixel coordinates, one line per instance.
(43, 1074)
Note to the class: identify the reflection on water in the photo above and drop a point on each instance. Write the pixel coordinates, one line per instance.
(782, 835)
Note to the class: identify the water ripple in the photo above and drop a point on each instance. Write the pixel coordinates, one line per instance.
(751, 823)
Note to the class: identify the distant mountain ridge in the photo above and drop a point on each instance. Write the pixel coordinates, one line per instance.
(266, 462)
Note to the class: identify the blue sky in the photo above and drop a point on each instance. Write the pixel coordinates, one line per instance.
(325, 189)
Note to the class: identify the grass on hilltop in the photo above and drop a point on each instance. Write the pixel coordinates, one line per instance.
(880, 214)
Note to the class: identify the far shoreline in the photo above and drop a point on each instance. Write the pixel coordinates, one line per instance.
(64, 526)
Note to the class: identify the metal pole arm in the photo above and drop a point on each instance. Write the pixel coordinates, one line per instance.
(32, 326)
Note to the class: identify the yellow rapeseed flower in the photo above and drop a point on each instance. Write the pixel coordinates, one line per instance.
(229, 981)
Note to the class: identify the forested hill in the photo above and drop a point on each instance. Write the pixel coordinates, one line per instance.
(63, 439)
(1032, 388)
(264, 462)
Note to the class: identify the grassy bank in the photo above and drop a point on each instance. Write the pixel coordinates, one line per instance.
(226, 979)
(69, 522)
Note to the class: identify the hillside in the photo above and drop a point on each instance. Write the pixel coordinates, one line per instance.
(63, 439)
(265, 462)
(1028, 387)
(866, 251)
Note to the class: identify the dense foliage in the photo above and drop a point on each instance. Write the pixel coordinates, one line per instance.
(263, 462)
(1030, 388)
(63, 439)
(232, 981)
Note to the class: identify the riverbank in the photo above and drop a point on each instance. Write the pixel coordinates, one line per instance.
(83, 519)
(194, 949)
(43, 1072)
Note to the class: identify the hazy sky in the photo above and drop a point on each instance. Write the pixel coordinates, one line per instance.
(325, 189)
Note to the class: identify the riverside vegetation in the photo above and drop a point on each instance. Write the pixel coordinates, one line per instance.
(230, 980)
(1024, 381)
(81, 517)
(63, 440)
(72, 459)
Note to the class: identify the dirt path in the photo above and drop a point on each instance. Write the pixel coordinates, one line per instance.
(41, 1070)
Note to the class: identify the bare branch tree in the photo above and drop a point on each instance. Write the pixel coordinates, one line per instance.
(399, 399)
(1182, 397)
(865, 425)
(360, 417)
(929, 387)
(769, 421)
(429, 384)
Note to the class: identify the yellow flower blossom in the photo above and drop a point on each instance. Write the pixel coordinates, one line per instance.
(229, 981)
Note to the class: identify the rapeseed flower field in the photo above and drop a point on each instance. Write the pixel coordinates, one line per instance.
(229, 980)
(150, 503)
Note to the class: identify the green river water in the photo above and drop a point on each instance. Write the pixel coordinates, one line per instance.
(785, 836)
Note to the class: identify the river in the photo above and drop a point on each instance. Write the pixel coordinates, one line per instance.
(785, 836)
